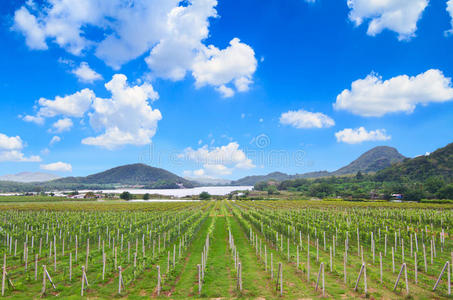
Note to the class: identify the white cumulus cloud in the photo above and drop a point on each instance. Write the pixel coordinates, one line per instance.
(74, 105)
(400, 16)
(218, 161)
(359, 135)
(10, 142)
(375, 97)
(450, 12)
(235, 64)
(125, 118)
(11, 150)
(62, 125)
(305, 119)
(170, 33)
(85, 74)
(57, 167)
(226, 92)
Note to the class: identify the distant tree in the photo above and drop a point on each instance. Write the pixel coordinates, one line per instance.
(433, 184)
(261, 186)
(359, 175)
(446, 192)
(321, 190)
(146, 196)
(272, 189)
(205, 196)
(413, 194)
(126, 195)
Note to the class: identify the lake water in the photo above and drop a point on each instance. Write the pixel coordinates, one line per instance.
(213, 190)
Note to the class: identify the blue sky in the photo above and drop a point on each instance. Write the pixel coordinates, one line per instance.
(221, 89)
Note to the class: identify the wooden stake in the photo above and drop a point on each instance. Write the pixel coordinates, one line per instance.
(239, 279)
(280, 276)
(424, 258)
(120, 280)
(380, 264)
(70, 266)
(3, 279)
(159, 279)
(393, 260)
(344, 266)
(446, 266)
(36, 267)
(199, 279)
(362, 267)
(403, 267)
(272, 267)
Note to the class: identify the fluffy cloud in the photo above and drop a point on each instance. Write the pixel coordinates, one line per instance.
(450, 12)
(62, 125)
(24, 21)
(169, 32)
(74, 105)
(306, 119)
(54, 140)
(181, 39)
(359, 135)
(85, 74)
(400, 16)
(11, 150)
(218, 161)
(372, 96)
(225, 91)
(10, 142)
(125, 118)
(57, 166)
(34, 119)
(236, 64)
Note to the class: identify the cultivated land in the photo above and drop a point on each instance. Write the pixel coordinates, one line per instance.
(239, 245)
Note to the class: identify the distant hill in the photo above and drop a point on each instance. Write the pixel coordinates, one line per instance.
(438, 163)
(277, 176)
(373, 160)
(29, 177)
(209, 181)
(251, 180)
(134, 174)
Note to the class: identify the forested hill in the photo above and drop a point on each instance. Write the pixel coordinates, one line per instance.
(438, 163)
(134, 174)
(373, 160)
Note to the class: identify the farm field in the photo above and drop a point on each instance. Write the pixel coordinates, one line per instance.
(226, 249)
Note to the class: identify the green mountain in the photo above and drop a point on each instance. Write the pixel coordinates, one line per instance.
(251, 180)
(371, 161)
(128, 175)
(134, 174)
(438, 163)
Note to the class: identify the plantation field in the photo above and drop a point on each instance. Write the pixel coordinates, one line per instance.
(226, 249)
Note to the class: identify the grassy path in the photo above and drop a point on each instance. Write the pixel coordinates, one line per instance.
(187, 285)
(218, 281)
(255, 282)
